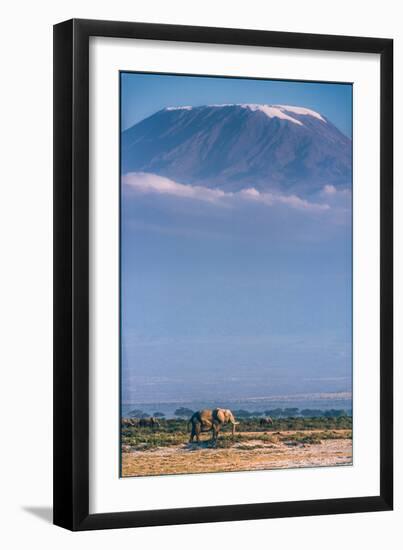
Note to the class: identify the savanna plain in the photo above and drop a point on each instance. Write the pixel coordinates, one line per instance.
(292, 442)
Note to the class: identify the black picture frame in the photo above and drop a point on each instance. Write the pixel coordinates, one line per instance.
(71, 274)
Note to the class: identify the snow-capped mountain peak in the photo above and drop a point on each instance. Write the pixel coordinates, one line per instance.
(239, 146)
(180, 108)
(271, 111)
(301, 111)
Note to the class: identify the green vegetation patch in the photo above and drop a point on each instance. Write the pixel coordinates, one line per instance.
(172, 432)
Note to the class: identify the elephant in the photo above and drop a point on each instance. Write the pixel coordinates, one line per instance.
(210, 420)
(155, 423)
(266, 421)
(149, 422)
(128, 422)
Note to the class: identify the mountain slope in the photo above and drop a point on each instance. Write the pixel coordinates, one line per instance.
(237, 146)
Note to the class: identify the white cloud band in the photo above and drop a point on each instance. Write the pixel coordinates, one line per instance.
(146, 183)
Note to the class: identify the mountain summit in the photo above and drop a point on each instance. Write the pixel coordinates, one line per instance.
(238, 146)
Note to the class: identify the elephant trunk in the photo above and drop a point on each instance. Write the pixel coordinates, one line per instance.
(233, 426)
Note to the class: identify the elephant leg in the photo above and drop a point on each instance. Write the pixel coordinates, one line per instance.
(216, 429)
(197, 429)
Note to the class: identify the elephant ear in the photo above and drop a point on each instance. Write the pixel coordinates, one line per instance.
(220, 415)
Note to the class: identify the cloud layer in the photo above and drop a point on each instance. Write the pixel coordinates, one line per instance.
(146, 183)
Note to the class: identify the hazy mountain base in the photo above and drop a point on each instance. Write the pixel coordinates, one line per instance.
(166, 450)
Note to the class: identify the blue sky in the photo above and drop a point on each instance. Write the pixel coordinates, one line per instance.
(233, 298)
(144, 94)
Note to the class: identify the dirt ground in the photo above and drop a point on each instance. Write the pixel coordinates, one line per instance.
(250, 455)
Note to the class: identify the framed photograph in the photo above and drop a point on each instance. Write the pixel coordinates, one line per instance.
(223, 323)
